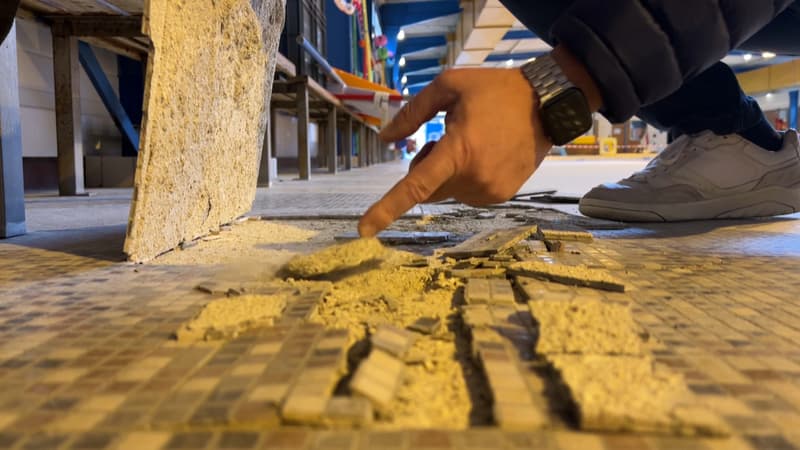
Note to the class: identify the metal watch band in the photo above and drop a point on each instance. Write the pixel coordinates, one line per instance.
(546, 77)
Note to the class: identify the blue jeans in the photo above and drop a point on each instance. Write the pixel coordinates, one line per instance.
(711, 100)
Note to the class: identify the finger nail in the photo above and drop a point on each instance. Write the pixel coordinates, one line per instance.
(367, 230)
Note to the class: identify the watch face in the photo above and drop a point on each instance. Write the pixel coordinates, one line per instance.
(566, 116)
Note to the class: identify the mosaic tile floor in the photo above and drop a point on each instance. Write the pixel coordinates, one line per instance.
(87, 360)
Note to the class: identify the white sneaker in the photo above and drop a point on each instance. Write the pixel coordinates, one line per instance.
(705, 176)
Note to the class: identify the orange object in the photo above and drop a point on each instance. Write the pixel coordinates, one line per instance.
(359, 83)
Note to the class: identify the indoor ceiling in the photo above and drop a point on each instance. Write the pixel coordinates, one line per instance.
(428, 36)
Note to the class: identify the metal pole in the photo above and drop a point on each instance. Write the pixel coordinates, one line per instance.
(309, 48)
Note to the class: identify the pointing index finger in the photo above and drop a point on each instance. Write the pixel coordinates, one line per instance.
(416, 187)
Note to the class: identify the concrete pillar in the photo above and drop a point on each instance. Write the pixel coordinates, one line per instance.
(332, 141)
(348, 142)
(69, 142)
(303, 151)
(12, 190)
(265, 165)
(362, 145)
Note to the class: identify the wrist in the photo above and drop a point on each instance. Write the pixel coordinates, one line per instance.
(577, 74)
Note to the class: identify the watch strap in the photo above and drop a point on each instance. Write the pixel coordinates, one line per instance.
(546, 77)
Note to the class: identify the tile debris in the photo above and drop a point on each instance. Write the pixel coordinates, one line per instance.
(570, 275)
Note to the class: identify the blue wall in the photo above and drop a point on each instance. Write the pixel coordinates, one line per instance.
(339, 37)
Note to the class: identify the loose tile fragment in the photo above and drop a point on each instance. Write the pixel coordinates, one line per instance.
(227, 317)
(426, 325)
(377, 379)
(391, 237)
(553, 245)
(490, 272)
(308, 397)
(395, 341)
(476, 316)
(348, 411)
(560, 231)
(302, 306)
(570, 275)
(489, 242)
(630, 393)
(335, 258)
(488, 291)
(513, 406)
(585, 326)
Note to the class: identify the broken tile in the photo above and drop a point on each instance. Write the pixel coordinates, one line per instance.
(569, 275)
(426, 325)
(489, 242)
(560, 231)
(586, 326)
(348, 411)
(336, 258)
(492, 272)
(377, 378)
(631, 393)
(391, 237)
(519, 416)
(227, 317)
(553, 245)
(488, 291)
(477, 315)
(306, 401)
(396, 341)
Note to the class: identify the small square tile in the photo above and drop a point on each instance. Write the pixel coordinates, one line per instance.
(142, 440)
(189, 440)
(92, 441)
(238, 440)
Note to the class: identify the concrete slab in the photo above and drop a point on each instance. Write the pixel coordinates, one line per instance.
(205, 118)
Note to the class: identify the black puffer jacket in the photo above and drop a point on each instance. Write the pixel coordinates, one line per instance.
(8, 8)
(640, 51)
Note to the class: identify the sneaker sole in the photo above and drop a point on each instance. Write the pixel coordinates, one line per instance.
(774, 201)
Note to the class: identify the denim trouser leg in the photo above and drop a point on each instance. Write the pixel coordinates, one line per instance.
(711, 100)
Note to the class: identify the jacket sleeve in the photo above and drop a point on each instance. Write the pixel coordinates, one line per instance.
(640, 51)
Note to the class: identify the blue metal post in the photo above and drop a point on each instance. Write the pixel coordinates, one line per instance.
(107, 95)
(793, 98)
(12, 194)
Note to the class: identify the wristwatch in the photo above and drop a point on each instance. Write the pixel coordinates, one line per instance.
(564, 110)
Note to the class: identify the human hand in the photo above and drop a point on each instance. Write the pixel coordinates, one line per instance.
(494, 142)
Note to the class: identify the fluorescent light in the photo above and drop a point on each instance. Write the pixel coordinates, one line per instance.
(747, 56)
(769, 95)
(401, 35)
(405, 91)
(531, 59)
(509, 63)
(402, 61)
(768, 55)
(404, 80)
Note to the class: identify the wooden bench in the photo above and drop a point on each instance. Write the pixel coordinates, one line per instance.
(309, 101)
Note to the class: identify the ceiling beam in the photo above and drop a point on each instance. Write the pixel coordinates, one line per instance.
(495, 57)
(419, 64)
(401, 14)
(96, 26)
(413, 44)
(513, 35)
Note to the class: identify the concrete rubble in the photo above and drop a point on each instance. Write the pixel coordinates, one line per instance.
(380, 341)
